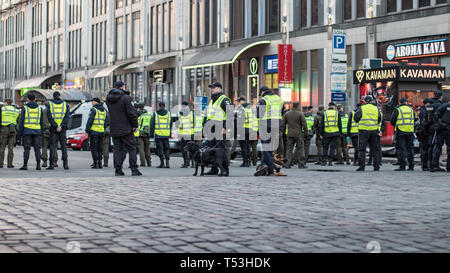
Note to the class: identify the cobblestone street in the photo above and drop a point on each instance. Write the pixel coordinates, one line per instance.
(322, 209)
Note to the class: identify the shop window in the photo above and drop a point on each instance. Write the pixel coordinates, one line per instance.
(407, 4)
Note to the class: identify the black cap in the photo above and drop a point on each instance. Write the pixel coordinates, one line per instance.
(310, 107)
(331, 104)
(241, 99)
(321, 107)
(264, 89)
(56, 95)
(438, 94)
(97, 100)
(427, 100)
(403, 100)
(216, 84)
(358, 105)
(162, 104)
(185, 103)
(119, 84)
(368, 98)
(31, 96)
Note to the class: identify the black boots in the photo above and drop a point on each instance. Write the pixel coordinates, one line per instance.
(100, 165)
(167, 164)
(185, 164)
(136, 173)
(24, 167)
(66, 165)
(245, 163)
(162, 163)
(51, 167)
(120, 173)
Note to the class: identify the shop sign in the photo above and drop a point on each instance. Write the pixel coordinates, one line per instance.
(23, 91)
(417, 49)
(427, 74)
(253, 66)
(158, 75)
(69, 85)
(285, 75)
(286, 94)
(271, 64)
(338, 96)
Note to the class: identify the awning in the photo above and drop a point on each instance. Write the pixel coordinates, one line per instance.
(72, 95)
(33, 82)
(105, 72)
(221, 56)
(152, 60)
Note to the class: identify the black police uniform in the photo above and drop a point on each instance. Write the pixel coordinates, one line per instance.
(421, 130)
(442, 117)
(433, 133)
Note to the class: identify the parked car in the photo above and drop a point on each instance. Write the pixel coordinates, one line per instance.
(78, 142)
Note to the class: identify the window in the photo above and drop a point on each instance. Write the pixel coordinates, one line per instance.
(441, 2)
(273, 16)
(201, 22)
(391, 6)
(136, 33)
(238, 19)
(74, 121)
(304, 13)
(154, 29)
(424, 3)
(166, 28)
(361, 8)
(347, 9)
(50, 15)
(160, 29)
(255, 18)
(314, 12)
(172, 27)
(119, 4)
(407, 4)
(119, 38)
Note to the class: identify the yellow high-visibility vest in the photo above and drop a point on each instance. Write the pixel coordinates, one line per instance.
(331, 118)
(58, 111)
(405, 119)
(162, 125)
(143, 120)
(9, 115)
(344, 124)
(369, 119)
(32, 118)
(274, 104)
(99, 121)
(186, 125)
(215, 112)
(354, 128)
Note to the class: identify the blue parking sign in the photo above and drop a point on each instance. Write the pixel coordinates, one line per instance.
(339, 42)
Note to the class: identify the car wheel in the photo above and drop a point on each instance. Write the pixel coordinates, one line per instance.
(85, 146)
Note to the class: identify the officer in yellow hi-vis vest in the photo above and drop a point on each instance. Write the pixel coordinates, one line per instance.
(30, 130)
(186, 130)
(161, 130)
(404, 118)
(216, 119)
(143, 136)
(95, 127)
(330, 130)
(342, 147)
(368, 119)
(244, 123)
(58, 114)
(307, 137)
(8, 120)
(353, 132)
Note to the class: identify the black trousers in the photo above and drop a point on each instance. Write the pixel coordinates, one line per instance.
(61, 138)
(96, 145)
(183, 142)
(329, 144)
(424, 146)
(28, 141)
(368, 138)
(123, 145)
(406, 150)
(221, 144)
(354, 139)
(441, 138)
(163, 148)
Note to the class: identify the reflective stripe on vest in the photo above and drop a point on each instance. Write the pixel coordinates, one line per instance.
(248, 122)
(99, 121)
(405, 119)
(143, 120)
(186, 125)
(198, 123)
(310, 122)
(32, 118)
(331, 118)
(9, 115)
(215, 112)
(58, 112)
(354, 128)
(344, 124)
(162, 125)
(369, 119)
(273, 107)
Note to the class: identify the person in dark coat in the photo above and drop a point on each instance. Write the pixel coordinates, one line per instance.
(123, 124)
(30, 130)
(96, 131)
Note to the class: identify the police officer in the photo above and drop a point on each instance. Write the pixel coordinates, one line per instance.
(58, 115)
(95, 127)
(216, 122)
(381, 127)
(307, 137)
(143, 135)
(442, 116)
(244, 124)
(269, 115)
(436, 133)
(30, 129)
(316, 127)
(368, 118)
(342, 147)
(352, 131)
(45, 142)
(9, 116)
(254, 140)
(329, 133)
(421, 130)
(403, 118)
(106, 141)
(186, 130)
(161, 130)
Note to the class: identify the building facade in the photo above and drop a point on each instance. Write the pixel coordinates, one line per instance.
(171, 50)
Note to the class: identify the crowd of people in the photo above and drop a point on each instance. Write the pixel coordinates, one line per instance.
(284, 135)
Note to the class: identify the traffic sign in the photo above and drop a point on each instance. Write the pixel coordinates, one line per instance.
(338, 68)
(201, 101)
(339, 58)
(339, 41)
(338, 82)
(338, 97)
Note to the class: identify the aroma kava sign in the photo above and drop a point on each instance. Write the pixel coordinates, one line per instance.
(417, 49)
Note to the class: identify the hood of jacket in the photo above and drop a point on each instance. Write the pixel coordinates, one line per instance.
(162, 112)
(99, 107)
(114, 95)
(32, 104)
(57, 101)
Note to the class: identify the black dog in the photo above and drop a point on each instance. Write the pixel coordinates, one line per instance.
(204, 156)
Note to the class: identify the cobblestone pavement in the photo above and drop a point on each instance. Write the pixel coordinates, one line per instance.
(322, 209)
